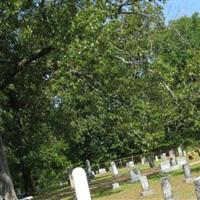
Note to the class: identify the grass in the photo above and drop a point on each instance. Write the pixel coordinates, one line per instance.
(101, 186)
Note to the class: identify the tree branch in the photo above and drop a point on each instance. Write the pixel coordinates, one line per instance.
(25, 62)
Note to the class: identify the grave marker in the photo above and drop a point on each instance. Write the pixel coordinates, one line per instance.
(166, 187)
(197, 187)
(114, 169)
(145, 186)
(187, 174)
(135, 175)
(81, 184)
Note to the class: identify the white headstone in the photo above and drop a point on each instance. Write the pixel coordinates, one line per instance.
(114, 169)
(156, 158)
(135, 175)
(102, 171)
(115, 186)
(184, 153)
(181, 160)
(163, 156)
(165, 166)
(81, 184)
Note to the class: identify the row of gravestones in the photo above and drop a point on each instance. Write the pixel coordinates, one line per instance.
(82, 191)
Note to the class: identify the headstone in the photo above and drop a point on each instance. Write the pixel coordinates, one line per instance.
(145, 186)
(143, 160)
(115, 186)
(81, 184)
(173, 162)
(130, 164)
(187, 174)
(180, 152)
(163, 156)
(151, 161)
(114, 169)
(156, 158)
(171, 154)
(102, 171)
(181, 160)
(89, 169)
(197, 187)
(166, 187)
(71, 180)
(165, 166)
(135, 175)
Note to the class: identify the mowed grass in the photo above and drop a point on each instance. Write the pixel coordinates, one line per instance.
(131, 191)
(101, 186)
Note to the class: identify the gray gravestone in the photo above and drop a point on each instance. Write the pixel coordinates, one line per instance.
(166, 187)
(89, 169)
(187, 174)
(197, 187)
(180, 152)
(173, 162)
(135, 175)
(115, 186)
(145, 186)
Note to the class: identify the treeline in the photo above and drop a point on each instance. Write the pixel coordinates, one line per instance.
(92, 80)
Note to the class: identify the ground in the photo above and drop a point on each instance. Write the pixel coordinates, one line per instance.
(101, 186)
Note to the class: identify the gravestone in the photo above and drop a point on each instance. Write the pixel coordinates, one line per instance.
(171, 154)
(89, 172)
(130, 164)
(156, 158)
(135, 175)
(165, 166)
(81, 184)
(181, 161)
(143, 160)
(197, 187)
(115, 186)
(114, 169)
(145, 186)
(166, 188)
(102, 171)
(151, 161)
(180, 152)
(163, 156)
(187, 174)
(173, 162)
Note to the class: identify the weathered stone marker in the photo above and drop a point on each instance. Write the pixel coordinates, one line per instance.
(197, 187)
(145, 186)
(166, 187)
(181, 161)
(180, 152)
(156, 158)
(187, 174)
(135, 175)
(165, 166)
(114, 169)
(89, 169)
(163, 156)
(81, 184)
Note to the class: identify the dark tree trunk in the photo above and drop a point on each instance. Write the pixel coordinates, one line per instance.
(151, 161)
(28, 181)
(5, 178)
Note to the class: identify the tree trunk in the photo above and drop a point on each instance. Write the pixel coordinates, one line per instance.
(5, 178)
(28, 182)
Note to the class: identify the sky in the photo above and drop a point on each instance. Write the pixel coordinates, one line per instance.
(175, 9)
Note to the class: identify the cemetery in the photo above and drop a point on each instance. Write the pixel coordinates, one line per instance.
(136, 180)
(99, 99)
